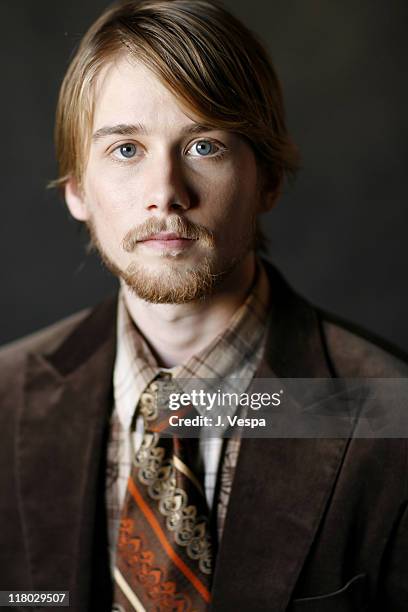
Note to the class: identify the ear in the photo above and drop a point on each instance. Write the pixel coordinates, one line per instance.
(269, 200)
(270, 192)
(74, 197)
(269, 197)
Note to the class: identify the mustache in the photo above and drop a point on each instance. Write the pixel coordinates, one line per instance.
(175, 224)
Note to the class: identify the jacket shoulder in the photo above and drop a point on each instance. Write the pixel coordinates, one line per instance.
(354, 352)
(42, 341)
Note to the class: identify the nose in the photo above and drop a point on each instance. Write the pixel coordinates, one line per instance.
(167, 189)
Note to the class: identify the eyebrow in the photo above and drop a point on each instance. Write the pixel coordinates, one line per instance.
(129, 129)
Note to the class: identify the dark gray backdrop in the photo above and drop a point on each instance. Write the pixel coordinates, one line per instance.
(339, 235)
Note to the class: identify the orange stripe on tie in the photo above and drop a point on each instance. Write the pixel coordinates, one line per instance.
(163, 424)
(196, 582)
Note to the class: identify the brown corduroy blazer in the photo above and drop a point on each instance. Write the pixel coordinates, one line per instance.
(313, 525)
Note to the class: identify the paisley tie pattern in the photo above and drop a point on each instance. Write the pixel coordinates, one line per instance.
(164, 552)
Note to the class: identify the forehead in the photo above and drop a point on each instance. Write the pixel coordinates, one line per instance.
(128, 92)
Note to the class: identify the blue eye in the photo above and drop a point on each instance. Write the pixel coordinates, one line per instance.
(207, 148)
(204, 147)
(127, 150)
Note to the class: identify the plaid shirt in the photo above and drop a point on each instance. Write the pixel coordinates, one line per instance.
(233, 354)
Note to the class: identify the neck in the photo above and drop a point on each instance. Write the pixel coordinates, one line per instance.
(176, 332)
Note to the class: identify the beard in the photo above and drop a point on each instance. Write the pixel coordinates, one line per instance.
(172, 283)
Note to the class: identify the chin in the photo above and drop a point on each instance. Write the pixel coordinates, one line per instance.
(169, 283)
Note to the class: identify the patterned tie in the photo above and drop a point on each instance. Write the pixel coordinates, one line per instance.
(164, 552)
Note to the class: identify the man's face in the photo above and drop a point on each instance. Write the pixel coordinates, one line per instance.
(171, 205)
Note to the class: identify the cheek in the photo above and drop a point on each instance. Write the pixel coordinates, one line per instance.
(110, 201)
(106, 205)
(230, 202)
(103, 195)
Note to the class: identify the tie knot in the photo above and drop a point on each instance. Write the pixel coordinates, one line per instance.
(154, 400)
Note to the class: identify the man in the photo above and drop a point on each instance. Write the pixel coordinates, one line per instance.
(171, 140)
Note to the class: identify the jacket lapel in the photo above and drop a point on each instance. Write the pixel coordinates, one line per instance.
(281, 486)
(60, 441)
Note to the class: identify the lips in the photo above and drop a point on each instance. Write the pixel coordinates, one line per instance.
(167, 241)
(164, 237)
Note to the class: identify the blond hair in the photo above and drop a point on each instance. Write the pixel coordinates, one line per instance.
(205, 56)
